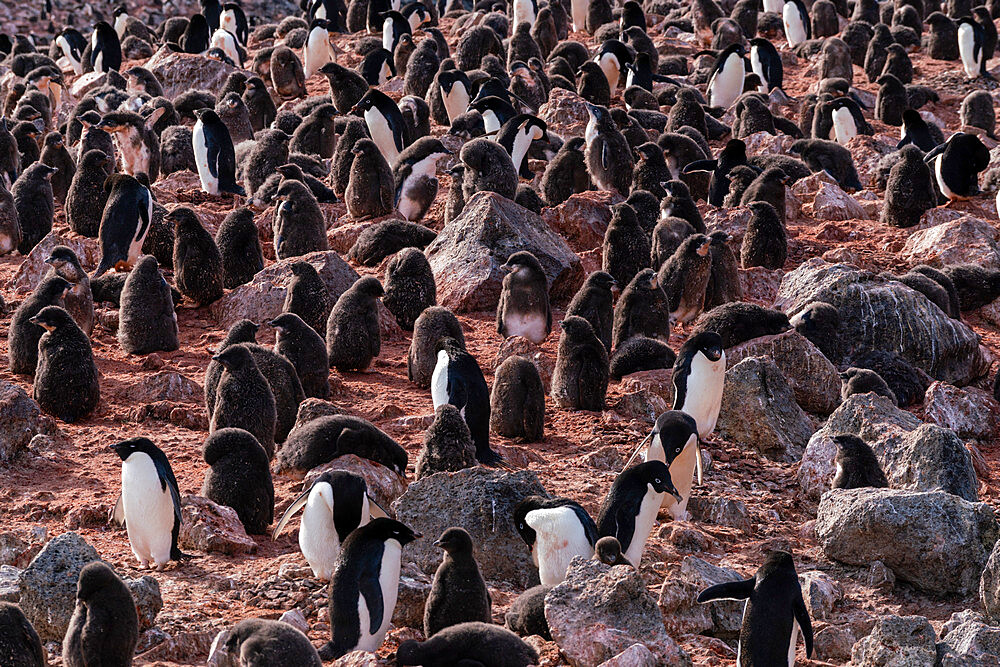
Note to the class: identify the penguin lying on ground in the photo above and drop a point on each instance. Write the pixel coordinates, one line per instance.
(556, 530)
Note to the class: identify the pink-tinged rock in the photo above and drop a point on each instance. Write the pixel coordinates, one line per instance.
(966, 240)
(991, 312)
(760, 285)
(969, 412)
(179, 72)
(86, 83)
(357, 659)
(636, 655)
(467, 254)
(565, 113)
(33, 267)
(842, 256)
(582, 219)
(642, 405)
(793, 207)
(806, 188)
(937, 216)
(733, 221)
(20, 420)
(383, 484)
(820, 593)
(522, 347)
(166, 386)
(296, 619)
(765, 142)
(184, 647)
(658, 382)
(867, 151)
(832, 203)
(344, 233)
(208, 527)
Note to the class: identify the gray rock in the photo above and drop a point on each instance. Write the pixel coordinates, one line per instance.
(166, 386)
(969, 412)
(467, 254)
(148, 601)
(296, 619)
(962, 241)
(48, 584)
(684, 615)
(820, 593)
(206, 526)
(598, 611)
(636, 655)
(900, 641)
(878, 314)
(833, 643)
(720, 511)
(972, 643)
(20, 420)
(10, 587)
(913, 455)
(759, 409)
(989, 585)
(414, 587)
(934, 540)
(810, 375)
(179, 72)
(481, 500)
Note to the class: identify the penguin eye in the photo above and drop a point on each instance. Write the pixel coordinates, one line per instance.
(657, 480)
(521, 526)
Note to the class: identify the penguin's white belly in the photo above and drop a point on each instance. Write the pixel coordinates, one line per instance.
(317, 52)
(674, 172)
(318, 539)
(727, 84)
(408, 207)
(966, 49)
(491, 122)
(388, 39)
(382, 135)
(384, 73)
(795, 32)
(222, 40)
(844, 127)
(439, 380)
(135, 154)
(945, 190)
(529, 325)
(998, 204)
(120, 25)
(682, 471)
(579, 9)
(209, 183)
(773, 6)
(704, 392)
(388, 580)
(758, 69)
(792, 641)
(524, 12)
(629, 82)
(522, 141)
(609, 65)
(456, 102)
(228, 21)
(559, 537)
(643, 525)
(99, 63)
(149, 510)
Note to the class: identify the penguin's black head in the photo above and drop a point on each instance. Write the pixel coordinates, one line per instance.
(848, 445)
(120, 9)
(649, 151)
(521, 511)
(578, 328)
(228, 441)
(657, 475)
(911, 117)
(449, 345)
(94, 577)
(242, 331)
(390, 529)
(52, 288)
(206, 115)
(365, 146)
(182, 217)
(609, 551)
(719, 239)
(708, 343)
(369, 286)
(674, 428)
(234, 357)
(287, 322)
(292, 171)
(455, 541)
(776, 561)
(51, 318)
(127, 448)
(602, 280)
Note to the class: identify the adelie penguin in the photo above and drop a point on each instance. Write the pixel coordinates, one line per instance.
(613, 57)
(488, 167)
(79, 302)
(308, 297)
(146, 318)
(448, 445)
(455, 92)
(556, 530)
(766, 64)
(124, 224)
(66, 381)
(243, 397)
(764, 243)
(517, 401)
(104, 627)
(642, 309)
(364, 587)
(594, 302)
(105, 48)
(857, 466)
(580, 378)
(317, 49)
(675, 442)
(630, 508)
(795, 17)
(684, 278)
(197, 260)
(149, 504)
(473, 643)
(138, 146)
(353, 338)
(72, 44)
(214, 154)
(971, 49)
(55, 155)
(626, 245)
(725, 83)
(409, 286)
(300, 344)
(699, 377)
(384, 121)
(734, 154)
(909, 192)
(23, 334)
(516, 136)
(458, 592)
(239, 477)
(918, 132)
(266, 642)
(34, 203)
(523, 309)
(956, 164)
(239, 244)
(608, 156)
(864, 381)
(299, 224)
(773, 616)
(414, 178)
(369, 191)
(334, 505)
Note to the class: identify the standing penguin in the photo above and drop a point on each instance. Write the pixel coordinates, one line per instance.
(66, 383)
(629, 510)
(956, 165)
(364, 587)
(856, 464)
(613, 57)
(733, 155)
(239, 244)
(33, 201)
(86, 197)
(19, 643)
(104, 627)
(488, 167)
(774, 613)
(675, 442)
(642, 309)
(524, 299)
(764, 243)
(566, 173)
(197, 260)
(626, 246)
(517, 135)
(287, 77)
(79, 301)
(299, 225)
(556, 530)
(124, 224)
(10, 228)
(455, 92)
(335, 503)
(308, 297)
(609, 158)
(458, 592)
(795, 18)
(149, 504)
(580, 378)
(305, 348)
(243, 398)
(23, 335)
(971, 47)
(369, 191)
(259, 103)
(146, 318)
(448, 445)
(766, 64)
(684, 278)
(353, 338)
(317, 47)
(925, 136)
(725, 83)
(55, 155)
(517, 401)
(909, 191)
(105, 48)
(594, 303)
(239, 477)
(409, 286)
(384, 121)
(699, 376)
(768, 187)
(458, 380)
(724, 284)
(214, 154)
(414, 179)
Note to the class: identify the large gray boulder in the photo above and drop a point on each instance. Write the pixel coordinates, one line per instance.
(914, 455)
(20, 420)
(934, 540)
(880, 314)
(967, 240)
(681, 611)
(179, 72)
(598, 611)
(482, 501)
(897, 641)
(759, 410)
(467, 254)
(972, 643)
(48, 584)
(969, 412)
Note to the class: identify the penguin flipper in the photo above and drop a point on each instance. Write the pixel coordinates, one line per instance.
(700, 165)
(625, 522)
(934, 152)
(296, 505)
(730, 590)
(214, 151)
(904, 141)
(371, 591)
(117, 515)
(802, 616)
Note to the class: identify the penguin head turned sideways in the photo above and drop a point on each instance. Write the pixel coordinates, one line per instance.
(233, 357)
(674, 429)
(455, 540)
(708, 343)
(521, 511)
(127, 448)
(522, 259)
(390, 529)
(657, 475)
(51, 318)
(609, 551)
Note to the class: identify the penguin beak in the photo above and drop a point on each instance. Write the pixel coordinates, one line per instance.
(676, 496)
(438, 543)
(713, 354)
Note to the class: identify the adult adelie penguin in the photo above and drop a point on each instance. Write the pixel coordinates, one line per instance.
(384, 121)
(317, 47)
(72, 44)
(774, 614)
(555, 529)
(458, 380)
(214, 154)
(455, 92)
(580, 378)
(364, 587)
(725, 83)
(124, 224)
(956, 165)
(334, 505)
(766, 64)
(458, 592)
(414, 177)
(675, 442)
(523, 309)
(609, 158)
(516, 136)
(613, 57)
(698, 378)
(66, 383)
(353, 338)
(104, 628)
(630, 508)
(105, 48)
(971, 48)
(150, 503)
(239, 477)
(795, 18)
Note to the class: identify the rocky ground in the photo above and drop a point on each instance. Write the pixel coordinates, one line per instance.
(66, 480)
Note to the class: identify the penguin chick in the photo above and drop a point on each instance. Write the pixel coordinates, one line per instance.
(836, 160)
(300, 344)
(448, 445)
(469, 643)
(517, 401)
(594, 303)
(259, 103)
(239, 477)
(23, 334)
(197, 260)
(608, 155)
(308, 297)
(433, 324)
(10, 228)
(414, 179)
(239, 246)
(580, 378)
(739, 322)
(458, 591)
(243, 398)
(857, 465)
(678, 203)
(19, 643)
(909, 190)
(387, 237)
(863, 381)
(409, 286)
(55, 155)
(86, 196)
(66, 381)
(764, 243)
(642, 309)
(819, 322)
(265, 642)
(523, 309)
(975, 285)
(146, 319)
(640, 353)
(724, 284)
(353, 338)
(907, 382)
(79, 302)
(684, 278)
(566, 174)
(489, 168)
(369, 191)
(299, 224)
(104, 627)
(33, 200)
(526, 615)
(287, 75)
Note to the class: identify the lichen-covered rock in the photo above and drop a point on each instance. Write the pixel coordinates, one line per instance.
(636, 655)
(832, 203)
(759, 410)
(206, 526)
(820, 593)
(720, 511)
(900, 641)
(969, 644)
(384, 485)
(879, 314)
(989, 585)
(414, 587)
(967, 240)
(931, 539)
(179, 72)
(166, 386)
(969, 412)
(148, 601)
(582, 219)
(467, 254)
(20, 420)
(598, 611)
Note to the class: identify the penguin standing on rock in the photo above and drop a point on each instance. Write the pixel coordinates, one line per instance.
(300, 344)
(105, 48)
(517, 401)
(856, 464)
(125, 223)
(517, 135)
(299, 224)
(149, 504)
(630, 508)
(239, 477)
(86, 197)
(580, 378)
(699, 376)
(66, 383)
(458, 592)
(353, 338)
(55, 154)
(725, 83)
(609, 158)
(214, 154)
(104, 627)
(556, 530)
(448, 444)
(766, 64)
(364, 587)
(384, 121)
(956, 165)
(523, 309)
(308, 297)
(146, 318)
(317, 48)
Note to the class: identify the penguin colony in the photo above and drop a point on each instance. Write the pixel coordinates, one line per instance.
(329, 169)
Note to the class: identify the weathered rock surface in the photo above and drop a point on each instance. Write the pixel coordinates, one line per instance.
(886, 315)
(384, 485)
(206, 526)
(33, 267)
(565, 113)
(720, 511)
(10, 587)
(682, 614)
(582, 219)
(166, 386)
(901, 641)
(810, 375)
(759, 409)
(481, 500)
(962, 241)
(48, 584)
(467, 254)
(832, 203)
(148, 601)
(20, 420)
(934, 540)
(820, 593)
(969, 644)
(179, 72)
(969, 412)
(600, 611)
(989, 585)
(414, 587)
(636, 655)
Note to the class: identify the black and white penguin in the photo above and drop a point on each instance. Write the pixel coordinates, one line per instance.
(124, 224)
(334, 505)
(609, 158)
(150, 502)
(384, 121)
(795, 18)
(856, 464)
(317, 50)
(773, 616)
(234, 20)
(239, 477)
(675, 442)
(377, 67)
(556, 530)
(104, 627)
(971, 48)
(725, 83)
(66, 382)
(495, 111)
(105, 48)
(918, 132)
(732, 155)
(414, 177)
(630, 508)
(613, 57)
(956, 165)
(72, 44)
(766, 64)
(214, 154)
(226, 47)
(364, 587)
(516, 136)
(458, 380)
(523, 309)
(698, 378)
(394, 26)
(458, 592)
(455, 92)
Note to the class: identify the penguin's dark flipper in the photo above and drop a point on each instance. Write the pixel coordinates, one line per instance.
(934, 152)
(700, 165)
(802, 616)
(730, 590)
